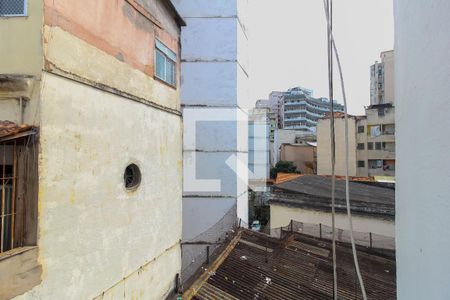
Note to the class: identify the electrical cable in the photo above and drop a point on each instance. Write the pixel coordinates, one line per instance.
(347, 191)
(329, 9)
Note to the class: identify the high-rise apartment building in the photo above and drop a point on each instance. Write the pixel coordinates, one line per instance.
(372, 136)
(301, 111)
(382, 79)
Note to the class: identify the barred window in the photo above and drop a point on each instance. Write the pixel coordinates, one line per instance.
(9, 8)
(165, 63)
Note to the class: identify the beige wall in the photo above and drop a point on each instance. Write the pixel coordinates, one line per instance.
(21, 55)
(324, 146)
(282, 215)
(23, 48)
(372, 118)
(303, 157)
(387, 59)
(93, 233)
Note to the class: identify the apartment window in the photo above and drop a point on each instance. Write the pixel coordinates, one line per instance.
(361, 164)
(360, 146)
(360, 129)
(389, 129)
(18, 192)
(378, 146)
(165, 63)
(370, 146)
(381, 112)
(375, 164)
(13, 8)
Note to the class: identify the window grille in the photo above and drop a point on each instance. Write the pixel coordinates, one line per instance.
(8, 196)
(10, 8)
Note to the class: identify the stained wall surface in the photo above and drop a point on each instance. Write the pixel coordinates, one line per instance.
(100, 108)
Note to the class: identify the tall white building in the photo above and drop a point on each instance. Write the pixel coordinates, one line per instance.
(214, 95)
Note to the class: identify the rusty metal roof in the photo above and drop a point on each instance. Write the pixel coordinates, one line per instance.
(314, 191)
(11, 130)
(298, 267)
(283, 177)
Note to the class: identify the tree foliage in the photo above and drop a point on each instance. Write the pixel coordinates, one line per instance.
(283, 166)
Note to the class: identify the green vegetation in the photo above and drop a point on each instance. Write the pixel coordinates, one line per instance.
(283, 166)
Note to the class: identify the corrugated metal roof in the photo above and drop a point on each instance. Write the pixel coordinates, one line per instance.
(314, 191)
(299, 267)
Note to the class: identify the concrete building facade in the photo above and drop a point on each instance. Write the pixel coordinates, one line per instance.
(382, 79)
(300, 111)
(302, 155)
(214, 95)
(422, 91)
(103, 204)
(372, 135)
(375, 138)
(324, 146)
(258, 146)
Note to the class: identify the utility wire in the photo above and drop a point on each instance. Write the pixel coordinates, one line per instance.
(347, 191)
(329, 8)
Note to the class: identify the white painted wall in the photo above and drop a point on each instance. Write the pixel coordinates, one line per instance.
(214, 76)
(422, 90)
(281, 216)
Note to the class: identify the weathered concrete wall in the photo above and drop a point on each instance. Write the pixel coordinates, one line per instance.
(324, 148)
(93, 232)
(19, 271)
(214, 75)
(105, 54)
(99, 108)
(21, 52)
(214, 86)
(422, 91)
(282, 215)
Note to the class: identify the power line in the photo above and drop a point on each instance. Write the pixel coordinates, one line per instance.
(329, 8)
(332, 47)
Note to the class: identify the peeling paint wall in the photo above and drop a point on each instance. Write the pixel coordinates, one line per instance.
(99, 108)
(88, 222)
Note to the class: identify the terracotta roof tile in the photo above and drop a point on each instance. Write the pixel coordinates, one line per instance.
(8, 128)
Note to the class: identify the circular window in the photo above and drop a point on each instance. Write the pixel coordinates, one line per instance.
(132, 176)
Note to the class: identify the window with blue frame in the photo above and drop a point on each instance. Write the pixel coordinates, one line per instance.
(165, 63)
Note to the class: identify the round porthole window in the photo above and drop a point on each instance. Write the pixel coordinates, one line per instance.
(132, 176)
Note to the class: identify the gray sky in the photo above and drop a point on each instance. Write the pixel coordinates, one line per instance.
(288, 46)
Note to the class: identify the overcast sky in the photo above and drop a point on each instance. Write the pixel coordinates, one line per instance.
(288, 45)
